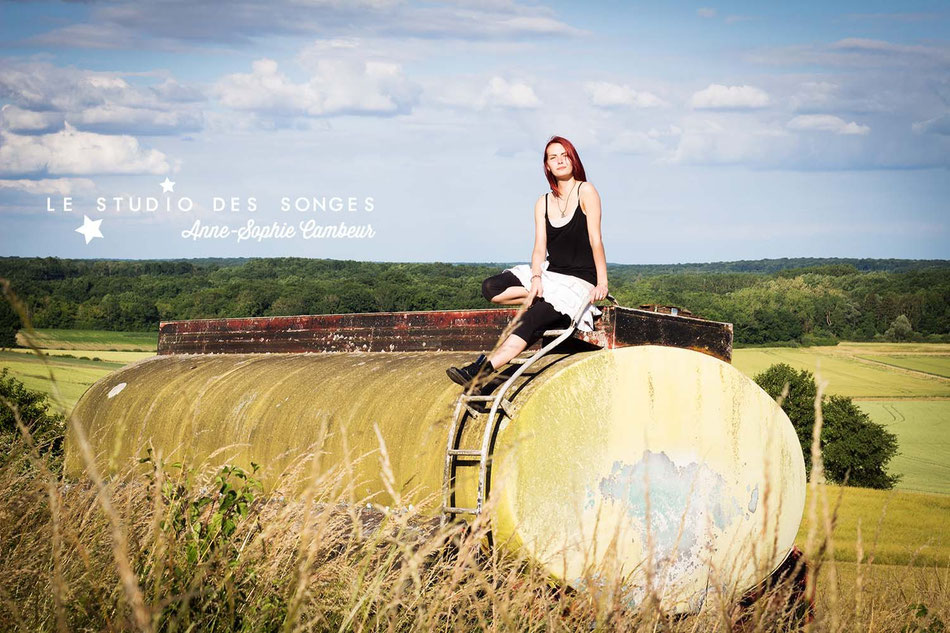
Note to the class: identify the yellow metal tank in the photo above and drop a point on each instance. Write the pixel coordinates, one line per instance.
(664, 465)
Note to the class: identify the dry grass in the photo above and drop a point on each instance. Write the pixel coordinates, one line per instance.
(166, 548)
(69, 561)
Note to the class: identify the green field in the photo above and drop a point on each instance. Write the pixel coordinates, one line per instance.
(903, 386)
(910, 528)
(93, 340)
(936, 365)
(923, 432)
(848, 374)
(70, 357)
(72, 375)
(113, 357)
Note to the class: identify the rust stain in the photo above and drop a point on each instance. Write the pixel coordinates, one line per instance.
(448, 330)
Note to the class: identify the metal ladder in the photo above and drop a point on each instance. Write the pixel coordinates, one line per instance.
(499, 405)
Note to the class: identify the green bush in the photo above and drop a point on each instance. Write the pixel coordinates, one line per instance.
(855, 450)
(818, 339)
(9, 324)
(47, 429)
(199, 558)
(900, 330)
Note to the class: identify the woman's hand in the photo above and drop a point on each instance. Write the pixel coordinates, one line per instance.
(536, 289)
(598, 293)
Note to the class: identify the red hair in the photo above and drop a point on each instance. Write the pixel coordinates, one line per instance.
(576, 163)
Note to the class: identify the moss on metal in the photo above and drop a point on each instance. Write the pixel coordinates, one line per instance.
(592, 437)
(657, 462)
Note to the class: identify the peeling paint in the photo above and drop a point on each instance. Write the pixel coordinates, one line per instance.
(116, 390)
(576, 465)
(687, 495)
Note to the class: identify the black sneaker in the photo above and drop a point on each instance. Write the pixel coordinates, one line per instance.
(466, 375)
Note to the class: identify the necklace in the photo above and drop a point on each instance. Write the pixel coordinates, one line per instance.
(567, 202)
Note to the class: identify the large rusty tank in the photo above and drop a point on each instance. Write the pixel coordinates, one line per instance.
(636, 449)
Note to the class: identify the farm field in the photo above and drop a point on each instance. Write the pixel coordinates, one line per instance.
(849, 374)
(904, 388)
(72, 375)
(70, 357)
(93, 340)
(923, 430)
(936, 365)
(898, 527)
(104, 355)
(888, 597)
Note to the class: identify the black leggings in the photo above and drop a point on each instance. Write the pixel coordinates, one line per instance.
(535, 320)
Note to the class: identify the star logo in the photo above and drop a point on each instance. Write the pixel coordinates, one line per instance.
(90, 228)
(168, 186)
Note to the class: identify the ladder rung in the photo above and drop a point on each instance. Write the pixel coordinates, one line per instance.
(478, 398)
(454, 510)
(554, 332)
(474, 412)
(518, 360)
(466, 452)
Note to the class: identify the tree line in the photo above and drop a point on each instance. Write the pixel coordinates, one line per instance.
(786, 301)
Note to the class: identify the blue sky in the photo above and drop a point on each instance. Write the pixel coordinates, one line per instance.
(712, 131)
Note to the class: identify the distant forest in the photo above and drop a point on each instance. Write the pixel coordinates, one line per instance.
(794, 301)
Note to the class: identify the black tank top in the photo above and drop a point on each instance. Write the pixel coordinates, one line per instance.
(569, 251)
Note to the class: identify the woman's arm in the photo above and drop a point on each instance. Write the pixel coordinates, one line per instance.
(540, 252)
(590, 203)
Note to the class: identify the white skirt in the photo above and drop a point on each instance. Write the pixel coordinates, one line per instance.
(566, 293)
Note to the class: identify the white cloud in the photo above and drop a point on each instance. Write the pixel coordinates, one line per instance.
(86, 35)
(17, 119)
(112, 118)
(808, 143)
(857, 52)
(96, 101)
(710, 142)
(172, 90)
(70, 151)
(719, 97)
(937, 125)
(706, 12)
(50, 186)
(505, 94)
(895, 17)
(604, 94)
(473, 92)
(826, 123)
(628, 142)
(187, 25)
(534, 24)
(882, 46)
(813, 94)
(337, 86)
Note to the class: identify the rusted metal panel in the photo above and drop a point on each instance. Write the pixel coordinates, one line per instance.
(456, 330)
(640, 327)
(436, 330)
(674, 310)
